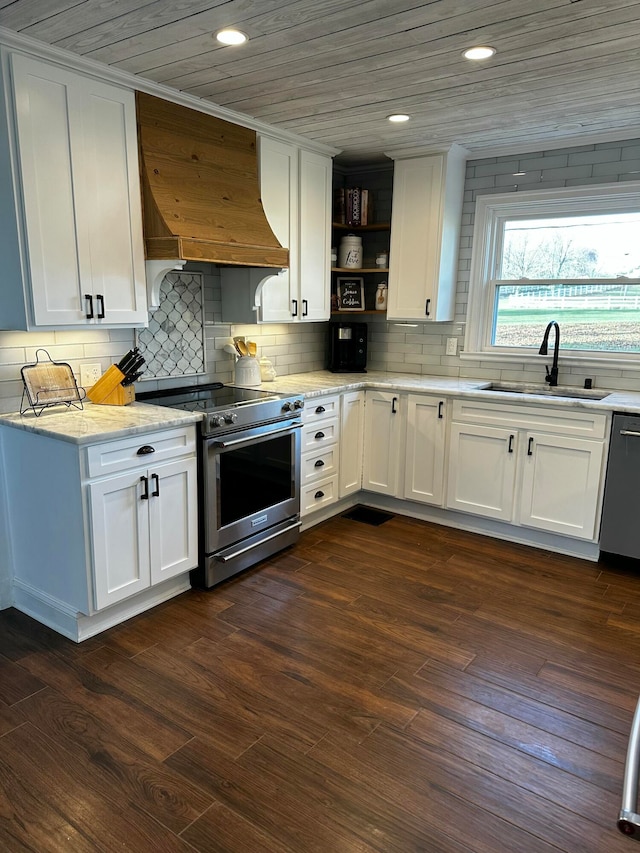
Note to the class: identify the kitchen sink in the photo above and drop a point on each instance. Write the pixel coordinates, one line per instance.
(546, 390)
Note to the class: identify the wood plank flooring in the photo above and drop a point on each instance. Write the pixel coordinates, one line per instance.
(405, 687)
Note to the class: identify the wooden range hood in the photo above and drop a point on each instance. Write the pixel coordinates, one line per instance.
(200, 189)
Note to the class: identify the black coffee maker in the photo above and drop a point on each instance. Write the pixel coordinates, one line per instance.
(348, 347)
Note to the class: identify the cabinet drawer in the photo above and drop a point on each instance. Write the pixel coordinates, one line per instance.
(316, 435)
(318, 494)
(562, 421)
(319, 466)
(320, 409)
(124, 454)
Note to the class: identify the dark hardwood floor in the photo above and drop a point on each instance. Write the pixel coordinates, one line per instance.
(405, 687)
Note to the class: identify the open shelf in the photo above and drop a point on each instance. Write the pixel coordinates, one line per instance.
(375, 226)
(355, 313)
(356, 270)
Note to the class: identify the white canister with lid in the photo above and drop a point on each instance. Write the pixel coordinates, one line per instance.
(350, 254)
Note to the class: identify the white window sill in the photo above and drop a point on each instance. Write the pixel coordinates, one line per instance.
(615, 362)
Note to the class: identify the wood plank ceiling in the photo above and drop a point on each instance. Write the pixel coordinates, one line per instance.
(332, 70)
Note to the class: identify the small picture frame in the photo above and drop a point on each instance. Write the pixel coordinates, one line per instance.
(350, 291)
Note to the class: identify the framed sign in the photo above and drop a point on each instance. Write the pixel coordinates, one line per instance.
(350, 293)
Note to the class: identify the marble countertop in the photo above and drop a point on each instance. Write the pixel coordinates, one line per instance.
(93, 424)
(322, 382)
(102, 423)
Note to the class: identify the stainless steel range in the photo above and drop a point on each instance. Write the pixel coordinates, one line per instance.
(249, 474)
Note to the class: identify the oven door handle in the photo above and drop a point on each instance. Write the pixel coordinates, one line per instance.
(225, 558)
(629, 820)
(237, 441)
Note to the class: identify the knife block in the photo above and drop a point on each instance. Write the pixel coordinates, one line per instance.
(108, 390)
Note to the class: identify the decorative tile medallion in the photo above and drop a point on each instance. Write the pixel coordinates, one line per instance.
(173, 344)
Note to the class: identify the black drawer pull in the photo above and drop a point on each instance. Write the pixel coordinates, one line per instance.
(319, 464)
(440, 405)
(510, 448)
(393, 406)
(145, 450)
(319, 435)
(529, 450)
(156, 492)
(318, 495)
(89, 300)
(427, 308)
(145, 495)
(100, 300)
(320, 410)
(294, 302)
(305, 307)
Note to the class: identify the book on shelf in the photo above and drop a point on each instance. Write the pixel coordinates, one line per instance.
(339, 206)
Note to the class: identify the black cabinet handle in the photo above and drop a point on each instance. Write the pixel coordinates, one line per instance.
(440, 406)
(320, 410)
(156, 492)
(530, 445)
(294, 313)
(393, 406)
(145, 495)
(318, 464)
(305, 307)
(319, 435)
(89, 300)
(427, 307)
(318, 495)
(100, 301)
(145, 450)
(510, 448)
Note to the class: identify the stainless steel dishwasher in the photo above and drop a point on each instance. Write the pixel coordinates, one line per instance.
(620, 530)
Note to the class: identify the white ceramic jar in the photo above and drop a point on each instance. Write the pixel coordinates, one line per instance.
(350, 254)
(381, 296)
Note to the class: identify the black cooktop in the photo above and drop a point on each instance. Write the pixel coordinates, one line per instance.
(205, 398)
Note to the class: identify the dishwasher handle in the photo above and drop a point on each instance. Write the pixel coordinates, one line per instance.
(630, 432)
(629, 819)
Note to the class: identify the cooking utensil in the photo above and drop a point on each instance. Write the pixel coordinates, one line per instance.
(230, 349)
(252, 346)
(242, 348)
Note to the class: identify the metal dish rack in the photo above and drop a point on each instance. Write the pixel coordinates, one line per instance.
(49, 383)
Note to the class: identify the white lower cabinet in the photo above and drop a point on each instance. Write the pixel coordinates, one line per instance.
(383, 434)
(537, 467)
(103, 531)
(425, 448)
(351, 442)
(319, 478)
(144, 528)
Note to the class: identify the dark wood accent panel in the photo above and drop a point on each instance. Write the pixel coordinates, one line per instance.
(406, 687)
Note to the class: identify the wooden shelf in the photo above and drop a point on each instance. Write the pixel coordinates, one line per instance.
(352, 313)
(375, 226)
(356, 271)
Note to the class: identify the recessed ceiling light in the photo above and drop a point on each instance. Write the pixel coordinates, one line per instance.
(479, 52)
(397, 118)
(230, 36)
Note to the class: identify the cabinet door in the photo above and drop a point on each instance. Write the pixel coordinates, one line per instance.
(561, 484)
(173, 514)
(351, 442)
(77, 152)
(315, 236)
(425, 446)
(482, 470)
(382, 437)
(119, 538)
(425, 229)
(279, 192)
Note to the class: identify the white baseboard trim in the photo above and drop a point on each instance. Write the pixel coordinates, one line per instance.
(471, 523)
(76, 626)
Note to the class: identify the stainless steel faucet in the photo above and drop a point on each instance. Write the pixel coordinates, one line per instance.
(552, 375)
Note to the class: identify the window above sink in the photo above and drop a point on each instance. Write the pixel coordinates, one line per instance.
(570, 255)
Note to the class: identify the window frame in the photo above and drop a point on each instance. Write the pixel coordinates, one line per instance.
(491, 211)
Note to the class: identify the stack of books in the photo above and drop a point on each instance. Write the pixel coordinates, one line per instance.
(352, 206)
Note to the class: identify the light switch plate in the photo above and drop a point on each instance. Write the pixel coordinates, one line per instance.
(89, 374)
(452, 346)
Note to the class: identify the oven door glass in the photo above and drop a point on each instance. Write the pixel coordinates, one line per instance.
(251, 482)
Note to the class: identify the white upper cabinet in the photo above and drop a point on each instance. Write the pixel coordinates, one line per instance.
(425, 232)
(68, 157)
(295, 186)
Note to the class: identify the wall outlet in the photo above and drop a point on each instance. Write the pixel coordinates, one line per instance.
(452, 346)
(89, 374)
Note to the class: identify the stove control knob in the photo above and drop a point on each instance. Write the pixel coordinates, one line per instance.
(216, 420)
(287, 407)
(298, 404)
(230, 417)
